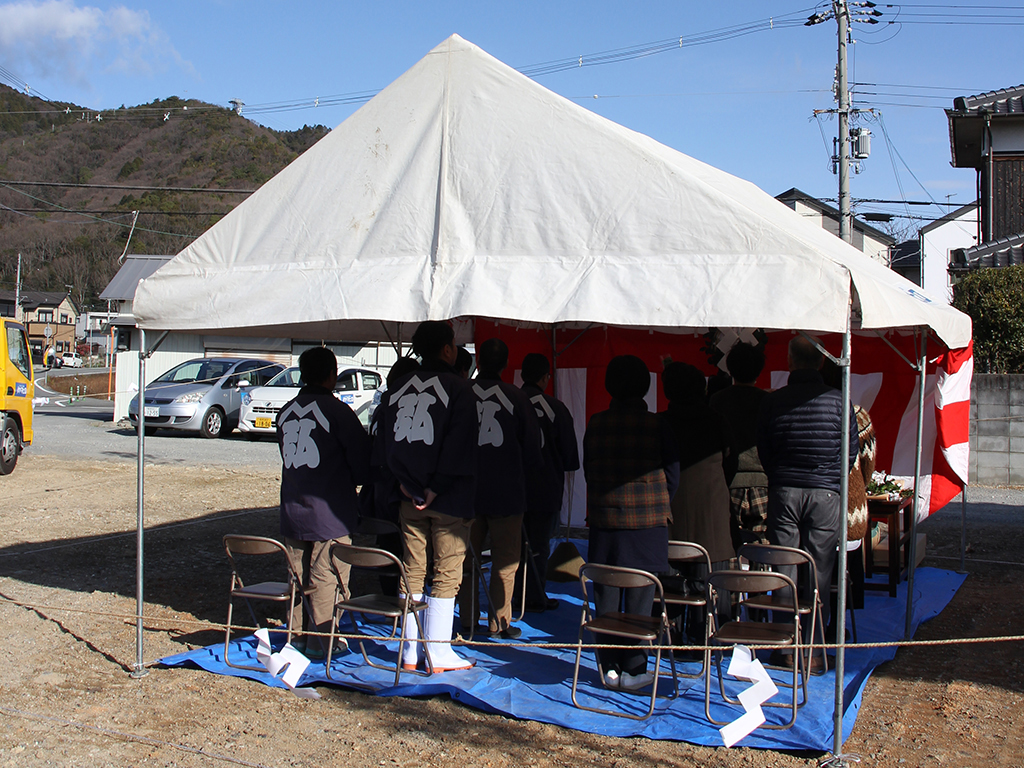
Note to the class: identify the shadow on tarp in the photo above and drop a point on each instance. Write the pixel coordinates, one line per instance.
(534, 683)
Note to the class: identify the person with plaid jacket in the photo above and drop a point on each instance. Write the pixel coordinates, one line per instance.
(739, 406)
(631, 464)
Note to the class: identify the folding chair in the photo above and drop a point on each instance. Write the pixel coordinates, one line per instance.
(375, 526)
(690, 553)
(238, 546)
(772, 556)
(643, 629)
(481, 585)
(398, 609)
(734, 633)
(479, 560)
(529, 570)
(378, 527)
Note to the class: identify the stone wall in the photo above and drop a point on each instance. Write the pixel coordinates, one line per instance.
(997, 429)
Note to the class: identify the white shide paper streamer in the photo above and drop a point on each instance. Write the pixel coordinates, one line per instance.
(288, 660)
(746, 667)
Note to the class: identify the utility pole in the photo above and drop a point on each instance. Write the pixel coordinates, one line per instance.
(17, 292)
(842, 15)
(840, 11)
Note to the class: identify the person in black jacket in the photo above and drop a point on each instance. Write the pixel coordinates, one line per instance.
(799, 441)
(325, 454)
(739, 406)
(429, 429)
(545, 483)
(509, 441)
(380, 498)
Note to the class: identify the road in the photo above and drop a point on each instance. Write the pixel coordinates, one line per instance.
(85, 429)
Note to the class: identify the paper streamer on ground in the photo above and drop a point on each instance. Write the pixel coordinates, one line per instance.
(744, 666)
(287, 659)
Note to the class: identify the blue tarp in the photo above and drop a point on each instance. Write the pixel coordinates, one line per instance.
(534, 683)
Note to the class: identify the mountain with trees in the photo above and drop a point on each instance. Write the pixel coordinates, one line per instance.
(76, 184)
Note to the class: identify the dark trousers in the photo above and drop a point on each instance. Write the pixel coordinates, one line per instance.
(391, 542)
(855, 566)
(807, 519)
(612, 599)
(541, 527)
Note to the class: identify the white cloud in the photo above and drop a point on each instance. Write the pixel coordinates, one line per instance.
(59, 40)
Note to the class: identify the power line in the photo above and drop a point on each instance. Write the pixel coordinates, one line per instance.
(921, 87)
(94, 219)
(662, 46)
(900, 202)
(134, 187)
(643, 50)
(112, 212)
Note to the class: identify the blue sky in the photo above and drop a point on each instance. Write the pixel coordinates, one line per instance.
(743, 104)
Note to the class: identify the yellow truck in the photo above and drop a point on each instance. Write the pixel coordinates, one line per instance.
(16, 393)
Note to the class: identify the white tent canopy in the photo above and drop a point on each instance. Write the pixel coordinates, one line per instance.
(465, 189)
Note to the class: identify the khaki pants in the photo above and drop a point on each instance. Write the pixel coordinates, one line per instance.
(311, 561)
(425, 530)
(506, 550)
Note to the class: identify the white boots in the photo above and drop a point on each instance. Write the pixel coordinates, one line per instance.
(412, 650)
(438, 628)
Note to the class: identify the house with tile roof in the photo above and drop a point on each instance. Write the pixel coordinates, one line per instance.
(986, 132)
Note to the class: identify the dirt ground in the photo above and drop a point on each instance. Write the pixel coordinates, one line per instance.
(66, 697)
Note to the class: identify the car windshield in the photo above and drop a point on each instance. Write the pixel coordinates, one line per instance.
(195, 372)
(289, 377)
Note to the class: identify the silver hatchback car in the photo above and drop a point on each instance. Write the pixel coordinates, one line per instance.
(201, 395)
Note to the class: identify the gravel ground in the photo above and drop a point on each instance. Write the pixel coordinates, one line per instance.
(66, 697)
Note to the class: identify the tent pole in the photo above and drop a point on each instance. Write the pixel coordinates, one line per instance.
(138, 669)
(922, 377)
(963, 530)
(554, 360)
(844, 495)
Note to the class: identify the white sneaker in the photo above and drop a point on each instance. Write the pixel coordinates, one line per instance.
(611, 679)
(628, 682)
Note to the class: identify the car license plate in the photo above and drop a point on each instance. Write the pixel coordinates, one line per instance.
(263, 422)
(151, 412)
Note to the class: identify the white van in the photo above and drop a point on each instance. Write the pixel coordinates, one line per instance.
(71, 359)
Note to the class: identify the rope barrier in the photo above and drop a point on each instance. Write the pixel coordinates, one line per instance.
(129, 736)
(159, 624)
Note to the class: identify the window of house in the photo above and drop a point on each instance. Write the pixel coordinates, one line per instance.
(44, 315)
(64, 319)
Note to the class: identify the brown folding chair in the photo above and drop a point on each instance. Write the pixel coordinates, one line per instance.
(689, 553)
(398, 609)
(732, 633)
(771, 557)
(478, 585)
(375, 526)
(239, 547)
(643, 629)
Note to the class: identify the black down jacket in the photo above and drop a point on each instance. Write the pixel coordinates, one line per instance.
(799, 433)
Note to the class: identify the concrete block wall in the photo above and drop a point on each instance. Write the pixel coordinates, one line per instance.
(997, 429)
